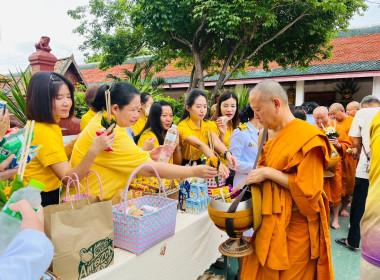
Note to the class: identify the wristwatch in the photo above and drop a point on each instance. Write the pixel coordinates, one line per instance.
(225, 154)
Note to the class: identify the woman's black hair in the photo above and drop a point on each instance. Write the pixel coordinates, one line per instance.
(246, 114)
(309, 107)
(218, 113)
(190, 99)
(144, 97)
(42, 90)
(299, 113)
(122, 94)
(154, 121)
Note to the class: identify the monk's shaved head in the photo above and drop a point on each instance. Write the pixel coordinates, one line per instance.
(269, 101)
(352, 108)
(336, 107)
(337, 112)
(321, 110)
(270, 89)
(354, 104)
(321, 116)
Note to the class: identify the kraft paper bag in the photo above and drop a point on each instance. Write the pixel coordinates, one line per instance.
(82, 234)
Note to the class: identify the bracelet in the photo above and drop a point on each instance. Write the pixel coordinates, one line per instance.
(225, 154)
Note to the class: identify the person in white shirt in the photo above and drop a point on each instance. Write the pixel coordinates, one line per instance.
(30, 253)
(370, 106)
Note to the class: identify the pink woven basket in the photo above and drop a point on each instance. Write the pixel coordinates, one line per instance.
(137, 234)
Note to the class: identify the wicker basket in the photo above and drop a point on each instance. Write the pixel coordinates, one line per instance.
(137, 234)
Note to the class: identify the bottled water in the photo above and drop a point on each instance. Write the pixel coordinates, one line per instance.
(10, 221)
(168, 148)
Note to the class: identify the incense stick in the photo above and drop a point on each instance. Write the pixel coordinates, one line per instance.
(108, 104)
(30, 136)
(23, 147)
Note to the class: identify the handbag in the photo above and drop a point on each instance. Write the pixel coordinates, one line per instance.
(82, 234)
(138, 233)
(78, 194)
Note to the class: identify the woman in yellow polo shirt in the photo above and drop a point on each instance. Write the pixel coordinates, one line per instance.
(146, 103)
(227, 106)
(159, 121)
(50, 97)
(116, 167)
(227, 119)
(89, 97)
(194, 132)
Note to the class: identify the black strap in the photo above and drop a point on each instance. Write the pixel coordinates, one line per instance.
(366, 154)
(235, 203)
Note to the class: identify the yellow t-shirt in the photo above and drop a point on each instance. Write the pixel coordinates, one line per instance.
(139, 125)
(114, 168)
(145, 136)
(86, 118)
(49, 137)
(370, 223)
(188, 128)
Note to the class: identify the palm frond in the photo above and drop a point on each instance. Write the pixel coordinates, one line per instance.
(242, 94)
(17, 88)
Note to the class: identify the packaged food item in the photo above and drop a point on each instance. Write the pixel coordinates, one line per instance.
(33, 151)
(225, 119)
(3, 105)
(130, 208)
(147, 209)
(12, 130)
(137, 213)
(222, 194)
(12, 143)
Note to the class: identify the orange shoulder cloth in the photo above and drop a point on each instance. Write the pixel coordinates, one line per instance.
(286, 152)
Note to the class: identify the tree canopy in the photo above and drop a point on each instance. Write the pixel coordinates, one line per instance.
(214, 37)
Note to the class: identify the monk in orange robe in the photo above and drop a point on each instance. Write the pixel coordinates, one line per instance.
(293, 241)
(333, 185)
(349, 163)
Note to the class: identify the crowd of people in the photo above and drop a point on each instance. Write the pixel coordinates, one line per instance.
(298, 185)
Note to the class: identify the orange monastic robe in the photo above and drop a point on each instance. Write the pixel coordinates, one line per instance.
(293, 241)
(333, 186)
(348, 162)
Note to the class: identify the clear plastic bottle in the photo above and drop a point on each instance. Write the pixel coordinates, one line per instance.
(168, 148)
(10, 221)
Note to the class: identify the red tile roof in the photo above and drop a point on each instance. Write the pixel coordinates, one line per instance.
(347, 49)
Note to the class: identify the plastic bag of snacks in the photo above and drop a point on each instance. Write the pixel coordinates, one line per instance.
(149, 185)
(11, 145)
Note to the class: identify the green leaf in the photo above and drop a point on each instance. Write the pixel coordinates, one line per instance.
(18, 183)
(17, 85)
(3, 198)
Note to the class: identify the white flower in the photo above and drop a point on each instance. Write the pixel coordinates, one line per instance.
(330, 130)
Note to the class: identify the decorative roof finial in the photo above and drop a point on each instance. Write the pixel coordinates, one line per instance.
(43, 44)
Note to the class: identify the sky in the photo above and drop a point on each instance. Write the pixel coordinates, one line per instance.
(23, 22)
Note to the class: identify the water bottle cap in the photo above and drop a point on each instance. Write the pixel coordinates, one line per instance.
(37, 184)
(174, 125)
